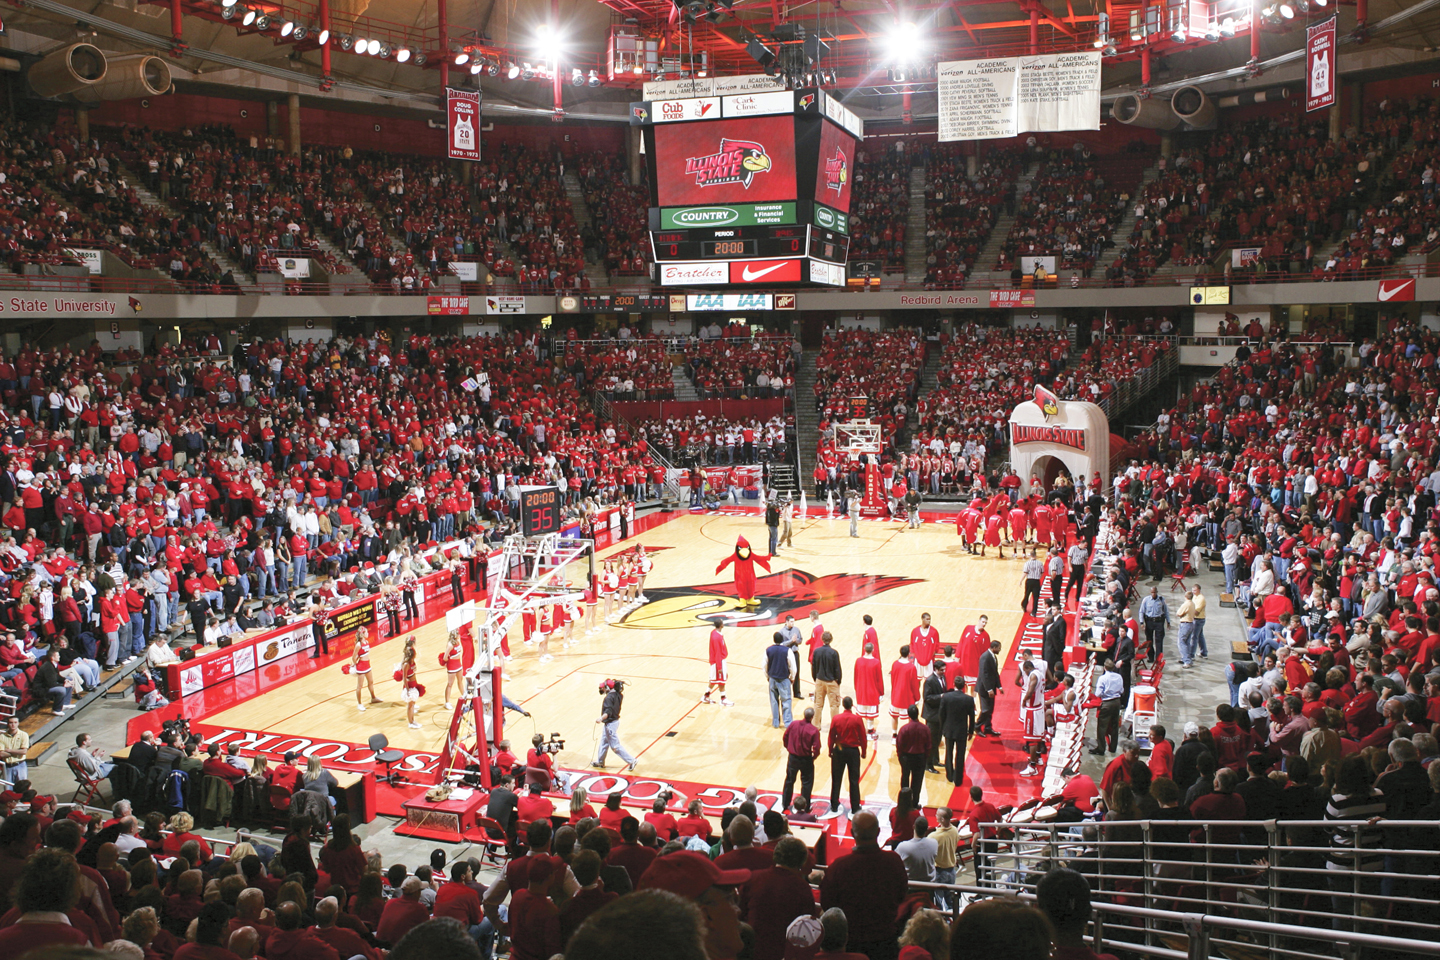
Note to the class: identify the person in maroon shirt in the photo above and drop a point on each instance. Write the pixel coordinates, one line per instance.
(346, 943)
(632, 852)
(341, 857)
(778, 894)
(459, 901)
(291, 940)
(692, 877)
(981, 811)
(912, 746)
(50, 885)
(533, 805)
(1232, 744)
(591, 897)
(868, 884)
(848, 745)
(215, 766)
(210, 927)
(534, 920)
(1221, 804)
(402, 913)
(802, 743)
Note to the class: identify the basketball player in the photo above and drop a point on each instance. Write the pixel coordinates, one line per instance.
(360, 667)
(1032, 714)
(924, 642)
(967, 525)
(904, 688)
(870, 636)
(451, 659)
(992, 535)
(974, 641)
(718, 671)
(869, 688)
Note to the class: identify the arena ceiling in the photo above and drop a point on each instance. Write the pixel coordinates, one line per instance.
(876, 47)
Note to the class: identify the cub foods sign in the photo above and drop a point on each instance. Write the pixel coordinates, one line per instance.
(731, 215)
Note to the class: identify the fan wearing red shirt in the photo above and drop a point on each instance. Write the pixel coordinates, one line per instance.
(666, 828)
(534, 921)
(534, 805)
(56, 892)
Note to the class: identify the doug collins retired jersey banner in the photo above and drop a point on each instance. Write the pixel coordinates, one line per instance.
(727, 161)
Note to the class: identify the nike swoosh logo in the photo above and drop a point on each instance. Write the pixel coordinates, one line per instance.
(1388, 294)
(747, 274)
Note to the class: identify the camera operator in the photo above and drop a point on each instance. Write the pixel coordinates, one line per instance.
(609, 720)
(540, 768)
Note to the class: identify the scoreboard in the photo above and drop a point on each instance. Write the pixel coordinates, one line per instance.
(539, 511)
(749, 189)
(614, 303)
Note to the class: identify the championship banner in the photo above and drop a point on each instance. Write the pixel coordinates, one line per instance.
(1320, 66)
(462, 123)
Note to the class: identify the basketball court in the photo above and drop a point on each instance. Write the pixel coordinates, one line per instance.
(660, 647)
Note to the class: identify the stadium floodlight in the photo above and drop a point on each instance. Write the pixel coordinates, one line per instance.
(550, 43)
(594, 78)
(528, 73)
(577, 77)
(462, 57)
(323, 37)
(492, 67)
(301, 32)
(902, 42)
(1109, 51)
(346, 42)
(287, 28)
(262, 22)
(1227, 27)
(419, 59)
(402, 55)
(476, 67)
(1287, 11)
(227, 13)
(385, 50)
(512, 70)
(227, 3)
(249, 17)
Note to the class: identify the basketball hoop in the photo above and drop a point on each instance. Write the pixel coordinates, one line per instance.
(858, 437)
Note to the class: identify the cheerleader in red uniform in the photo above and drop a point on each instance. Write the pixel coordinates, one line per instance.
(629, 582)
(360, 667)
(408, 583)
(408, 675)
(452, 659)
(609, 587)
(644, 564)
(592, 600)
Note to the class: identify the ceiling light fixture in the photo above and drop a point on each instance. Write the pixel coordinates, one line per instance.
(287, 28)
(323, 37)
(346, 42)
(594, 78)
(249, 17)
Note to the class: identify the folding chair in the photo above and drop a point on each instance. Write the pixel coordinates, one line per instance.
(87, 785)
(1177, 579)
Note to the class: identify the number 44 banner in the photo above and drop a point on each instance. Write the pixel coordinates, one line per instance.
(1320, 66)
(462, 123)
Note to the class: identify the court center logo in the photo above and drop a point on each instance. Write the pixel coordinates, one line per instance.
(786, 592)
(736, 162)
(837, 171)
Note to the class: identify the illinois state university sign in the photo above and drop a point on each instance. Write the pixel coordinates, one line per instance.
(1063, 436)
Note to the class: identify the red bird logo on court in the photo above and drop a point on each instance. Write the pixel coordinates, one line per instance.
(786, 592)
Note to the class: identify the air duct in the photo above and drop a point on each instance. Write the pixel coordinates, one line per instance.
(72, 68)
(141, 75)
(1191, 105)
(1253, 96)
(1151, 114)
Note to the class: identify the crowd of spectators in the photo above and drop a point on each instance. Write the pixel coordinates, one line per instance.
(625, 368)
(961, 211)
(738, 366)
(715, 440)
(880, 207)
(618, 235)
(1069, 213)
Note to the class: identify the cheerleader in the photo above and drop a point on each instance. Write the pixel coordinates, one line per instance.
(407, 593)
(411, 689)
(592, 600)
(541, 636)
(629, 581)
(452, 660)
(565, 617)
(609, 584)
(360, 668)
(390, 604)
(646, 564)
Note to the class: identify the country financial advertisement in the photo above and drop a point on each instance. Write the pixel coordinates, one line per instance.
(835, 169)
(749, 160)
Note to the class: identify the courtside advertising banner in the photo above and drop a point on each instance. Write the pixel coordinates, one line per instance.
(1320, 66)
(750, 160)
(462, 123)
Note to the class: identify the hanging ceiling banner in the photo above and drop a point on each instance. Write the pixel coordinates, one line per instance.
(462, 123)
(1320, 66)
(1007, 96)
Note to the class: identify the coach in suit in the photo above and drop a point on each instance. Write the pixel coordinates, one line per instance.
(957, 718)
(987, 688)
(932, 694)
(1052, 648)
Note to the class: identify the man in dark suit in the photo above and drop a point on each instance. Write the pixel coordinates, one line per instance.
(987, 688)
(1052, 649)
(957, 717)
(1124, 654)
(932, 694)
(142, 752)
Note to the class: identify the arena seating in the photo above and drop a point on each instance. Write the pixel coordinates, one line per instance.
(731, 367)
(608, 366)
(879, 207)
(618, 233)
(960, 211)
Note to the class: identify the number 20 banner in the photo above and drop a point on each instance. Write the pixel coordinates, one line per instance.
(462, 123)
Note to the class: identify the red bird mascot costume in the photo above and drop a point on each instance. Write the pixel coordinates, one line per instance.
(744, 559)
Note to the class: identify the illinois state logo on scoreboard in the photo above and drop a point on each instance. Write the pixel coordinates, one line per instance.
(736, 162)
(836, 171)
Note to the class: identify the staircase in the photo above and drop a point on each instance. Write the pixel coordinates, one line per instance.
(245, 281)
(583, 216)
(807, 421)
(915, 228)
(783, 479)
(684, 389)
(928, 382)
(985, 263)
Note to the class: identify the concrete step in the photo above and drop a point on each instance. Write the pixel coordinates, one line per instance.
(684, 389)
(915, 227)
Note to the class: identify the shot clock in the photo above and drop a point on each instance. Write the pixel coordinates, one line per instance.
(539, 511)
